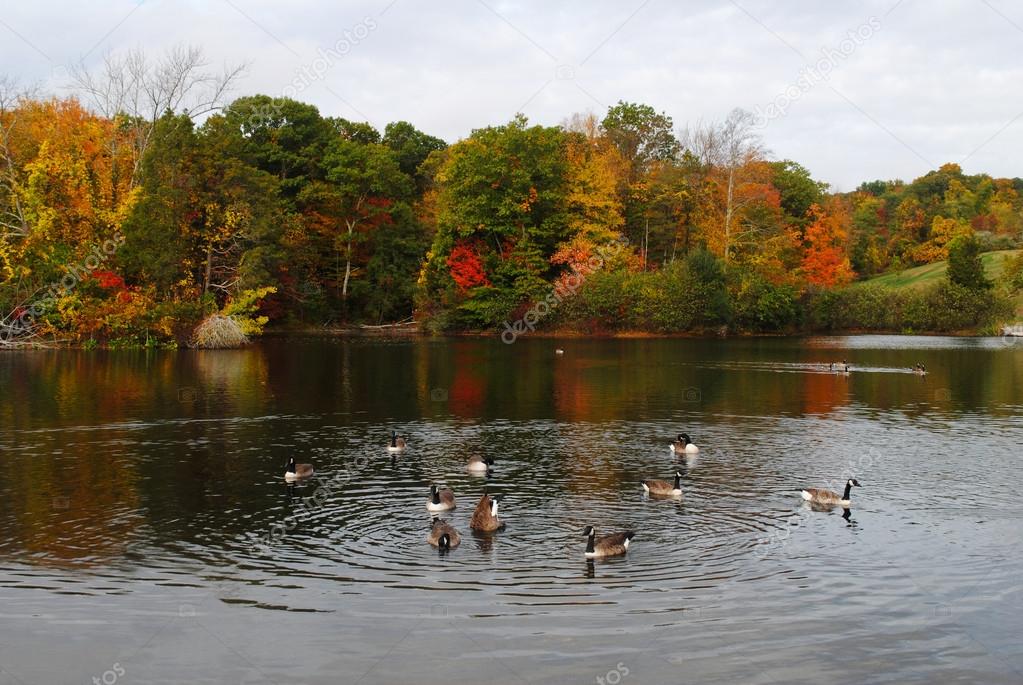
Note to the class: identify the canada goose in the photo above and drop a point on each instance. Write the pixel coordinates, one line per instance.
(611, 545)
(842, 367)
(662, 488)
(821, 496)
(920, 370)
(484, 518)
(684, 444)
(443, 535)
(440, 500)
(296, 471)
(559, 351)
(397, 444)
(478, 463)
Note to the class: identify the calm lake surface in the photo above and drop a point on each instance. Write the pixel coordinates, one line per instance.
(149, 537)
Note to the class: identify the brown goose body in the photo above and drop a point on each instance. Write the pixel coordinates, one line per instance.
(484, 517)
(443, 535)
(397, 444)
(611, 545)
(662, 488)
(296, 471)
(480, 464)
(440, 500)
(684, 445)
(830, 497)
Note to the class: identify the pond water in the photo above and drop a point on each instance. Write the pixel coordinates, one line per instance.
(149, 536)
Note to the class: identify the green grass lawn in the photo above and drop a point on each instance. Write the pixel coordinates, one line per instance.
(918, 276)
(994, 263)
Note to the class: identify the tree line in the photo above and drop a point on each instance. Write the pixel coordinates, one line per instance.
(144, 204)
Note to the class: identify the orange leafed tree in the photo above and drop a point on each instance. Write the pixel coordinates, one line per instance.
(825, 261)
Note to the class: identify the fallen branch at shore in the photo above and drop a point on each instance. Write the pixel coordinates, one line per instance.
(407, 322)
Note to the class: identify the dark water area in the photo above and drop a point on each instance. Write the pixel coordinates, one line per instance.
(149, 535)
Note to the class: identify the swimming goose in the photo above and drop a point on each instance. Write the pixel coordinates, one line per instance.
(607, 545)
(611, 545)
(559, 351)
(477, 463)
(843, 367)
(484, 518)
(830, 497)
(662, 488)
(443, 535)
(397, 444)
(295, 471)
(920, 369)
(684, 444)
(440, 500)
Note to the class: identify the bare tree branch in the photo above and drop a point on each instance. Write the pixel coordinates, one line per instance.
(140, 90)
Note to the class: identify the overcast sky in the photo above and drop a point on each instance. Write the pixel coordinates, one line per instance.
(867, 90)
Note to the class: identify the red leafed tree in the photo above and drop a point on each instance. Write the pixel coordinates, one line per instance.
(466, 268)
(108, 280)
(825, 262)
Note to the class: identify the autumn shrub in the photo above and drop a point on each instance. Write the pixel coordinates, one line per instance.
(761, 306)
(687, 296)
(941, 307)
(822, 309)
(948, 306)
(605, 301)
(672, 300)
(871, 307)
(1012, 274)
(243, 308)
(487, 307)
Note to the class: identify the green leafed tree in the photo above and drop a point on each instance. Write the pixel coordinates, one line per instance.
(365, 188)
(411, 148)
(965, 267)
(503, 197)
(641, 134)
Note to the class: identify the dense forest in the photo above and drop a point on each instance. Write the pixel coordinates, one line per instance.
(144, 204)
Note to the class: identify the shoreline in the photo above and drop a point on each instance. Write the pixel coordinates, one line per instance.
(414, 332)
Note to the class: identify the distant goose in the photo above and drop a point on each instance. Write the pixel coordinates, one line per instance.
(397, 444)
(830, 497)
(842, 367)
(611, 545)
(484, 518)
(559, 351)
(295, 471)
(481, 464)
(920, 370)
(684, 444)
(662, 488)
(443, 536)
(440, 500)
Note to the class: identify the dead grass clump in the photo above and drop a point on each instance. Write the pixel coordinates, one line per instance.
(219, 332)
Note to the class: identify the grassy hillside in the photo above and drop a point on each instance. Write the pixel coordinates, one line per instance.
(994, 262)
(919, 276)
